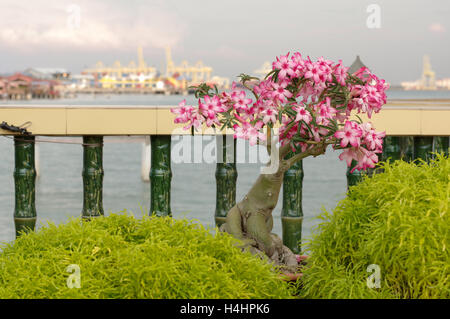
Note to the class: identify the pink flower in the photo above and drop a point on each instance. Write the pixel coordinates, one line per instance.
(254, 133)
(211, 106)
(299, 64)
(195, 120)
(351, 134)
(348, 155)
(269, 115)
(302, 114)
(372, 139)
(285, 66)
(326, 112)
(316, 133)
(248, 113)
(340, 72)
(241, 102)
(241, 131)
(249, 132)
(313, 72)
(280, 93)
(183, 112)
(264, 89)
(363, 157)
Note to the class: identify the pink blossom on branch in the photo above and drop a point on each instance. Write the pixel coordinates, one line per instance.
(350, 134)
(188, 114)
(285, 65)
(302, 114)
(280, 93)
(311, 101)
(249, 132)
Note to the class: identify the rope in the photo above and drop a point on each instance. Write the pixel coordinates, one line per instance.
(22, 130)
(16, 138)
(60, 142)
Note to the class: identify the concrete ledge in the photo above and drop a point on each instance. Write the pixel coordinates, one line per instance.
(398, 117)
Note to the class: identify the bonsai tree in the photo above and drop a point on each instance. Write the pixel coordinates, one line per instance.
(310, 102)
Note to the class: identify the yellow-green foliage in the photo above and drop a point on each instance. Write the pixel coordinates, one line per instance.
(123, 257)
(398, 220)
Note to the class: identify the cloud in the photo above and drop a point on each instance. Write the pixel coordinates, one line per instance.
(436, 27)
(89, 25)
(225, 51)
(221, 52)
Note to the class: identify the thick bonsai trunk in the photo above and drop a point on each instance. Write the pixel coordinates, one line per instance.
(251, 221)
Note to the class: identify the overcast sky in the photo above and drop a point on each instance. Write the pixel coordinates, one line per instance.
(232, 36)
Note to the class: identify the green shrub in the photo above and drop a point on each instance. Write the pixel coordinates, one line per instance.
(398, 220)
(123, 257)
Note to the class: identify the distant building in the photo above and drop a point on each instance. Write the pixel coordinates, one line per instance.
(21, 86)
(443, 84)
(82, 81)
(3, 88)
(16, 86)
(428, 80)
(48, 73)
(356, 65)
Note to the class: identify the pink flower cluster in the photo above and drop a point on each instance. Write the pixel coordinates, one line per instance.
(311, 100)
(368, 97)
(251, 117)
(318, 74)
(364, 143)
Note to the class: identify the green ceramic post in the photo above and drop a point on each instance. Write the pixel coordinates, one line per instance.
(92, 176)
(226, 176)
(24, 180)
(441, 144)
(406, 148)
(392, 148)
(292, 212)
(354, 177)
(423, 147)
(160, 175)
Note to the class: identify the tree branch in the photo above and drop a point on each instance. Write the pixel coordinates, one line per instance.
(269, 138)
(319, 149)
(284, 150)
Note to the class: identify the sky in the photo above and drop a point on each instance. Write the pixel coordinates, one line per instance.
(231, 36)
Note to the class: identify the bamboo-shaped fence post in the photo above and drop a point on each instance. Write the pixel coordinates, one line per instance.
(292, 212)
(226, 176)
(406, 148)
(391, 148)
(25, 182)
(92, 176)
(441, 144)
(160, 175)
(423, 147)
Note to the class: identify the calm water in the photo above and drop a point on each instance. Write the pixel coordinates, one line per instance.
(59, 187)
